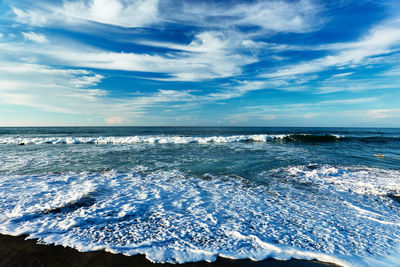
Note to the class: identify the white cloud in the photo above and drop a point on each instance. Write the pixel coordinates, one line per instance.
(275, 16)
(69, 91)
(35, 37)
(381, 40)
(211, 57)
(1, 35)
(204, 42)
(31, 17)
(280, 16)
(115, 120)
(125, 13)
(47, 88)
(87, 81)
(216, 53)
(348, 101)
(342, 74)
(246, 86)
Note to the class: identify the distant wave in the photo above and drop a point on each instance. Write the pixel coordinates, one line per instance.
(311, 138)
(173, 139)
(168, 139)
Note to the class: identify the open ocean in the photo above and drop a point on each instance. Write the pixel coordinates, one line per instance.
(184, 194)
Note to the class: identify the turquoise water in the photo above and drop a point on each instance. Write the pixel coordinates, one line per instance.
(181, 194)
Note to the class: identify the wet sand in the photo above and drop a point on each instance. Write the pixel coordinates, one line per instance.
(16, 251)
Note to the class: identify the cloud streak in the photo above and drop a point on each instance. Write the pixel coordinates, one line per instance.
(381, 40)
(211, 57)
(73, 91)
(35, 37)
(276, 16)
(272, 16)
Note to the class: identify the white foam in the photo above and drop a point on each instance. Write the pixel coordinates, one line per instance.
(160, 139)
(359, 180)
(177, 219)
(27, 195)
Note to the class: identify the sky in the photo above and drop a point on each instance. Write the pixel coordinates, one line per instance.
(199, 63)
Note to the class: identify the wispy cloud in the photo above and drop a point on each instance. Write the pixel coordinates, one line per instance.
(357, 85)
(382, 39)
(211, 58)
(342, 74)
(132, 13)
(47, 88)
(237, 90)
(277, 16)
(392, 72)
(214, 52)
(308, 106)
(35, 37)
(73, 91)
(33, 17)
(348, 101)
(334, 72)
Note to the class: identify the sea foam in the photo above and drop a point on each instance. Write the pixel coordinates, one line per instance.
(360, 180)
(174, 218)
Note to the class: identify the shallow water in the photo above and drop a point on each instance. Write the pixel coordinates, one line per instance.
(180, 194)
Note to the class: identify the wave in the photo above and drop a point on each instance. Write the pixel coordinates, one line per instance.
(169, 139)
(175, 218)
(173, 139)
(311, 138)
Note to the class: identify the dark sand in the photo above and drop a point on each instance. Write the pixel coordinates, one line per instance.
(16, 251)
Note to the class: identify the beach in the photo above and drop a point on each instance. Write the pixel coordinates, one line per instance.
(16, 251)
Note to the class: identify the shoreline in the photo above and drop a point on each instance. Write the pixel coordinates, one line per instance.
(16, 251)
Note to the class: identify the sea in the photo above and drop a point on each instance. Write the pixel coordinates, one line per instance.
(188, 194)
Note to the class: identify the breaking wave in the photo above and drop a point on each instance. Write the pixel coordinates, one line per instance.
(169, 139)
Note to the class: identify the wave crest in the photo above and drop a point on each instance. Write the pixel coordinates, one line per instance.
(160, 139)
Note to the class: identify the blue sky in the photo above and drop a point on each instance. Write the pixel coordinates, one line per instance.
(246, 63)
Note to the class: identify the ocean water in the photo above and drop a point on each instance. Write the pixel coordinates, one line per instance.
(185, 194)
